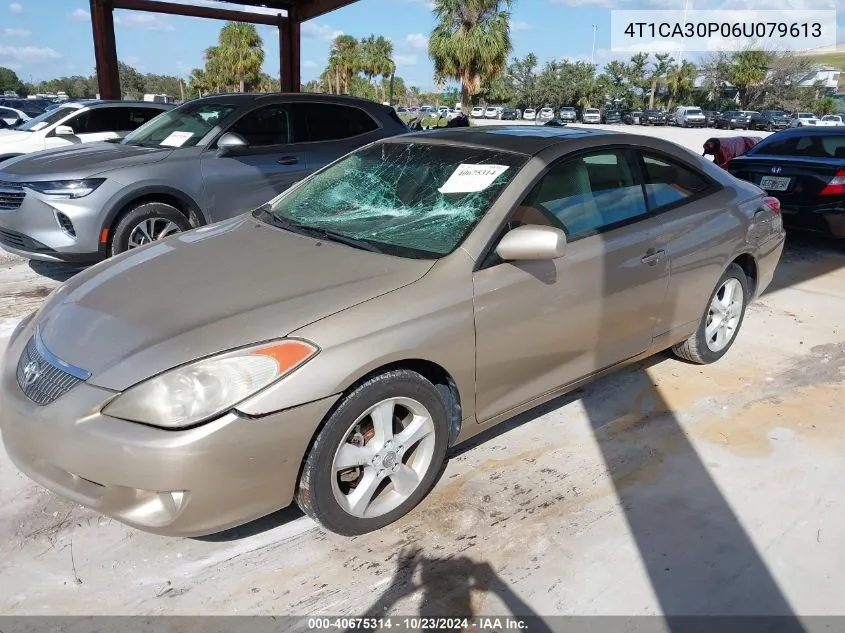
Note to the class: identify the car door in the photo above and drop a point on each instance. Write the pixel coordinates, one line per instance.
(245, 178)
(333, 130)
(697, 229)
(541, 325)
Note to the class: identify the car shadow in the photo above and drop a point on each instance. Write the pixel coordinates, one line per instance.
(807, 255)
(55, 270)
(255, 527)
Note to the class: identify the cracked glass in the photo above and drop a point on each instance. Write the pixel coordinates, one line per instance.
(387, 197)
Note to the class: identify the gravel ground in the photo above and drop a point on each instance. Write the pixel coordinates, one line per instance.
(667, 488)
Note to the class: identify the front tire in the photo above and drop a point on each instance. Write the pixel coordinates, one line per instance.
(144, 223)
(377, 456)
(721, 321)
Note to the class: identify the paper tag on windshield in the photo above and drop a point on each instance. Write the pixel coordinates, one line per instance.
(472, 178)
(176, 139)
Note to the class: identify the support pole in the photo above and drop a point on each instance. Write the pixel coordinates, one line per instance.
(105, 50)
(289, 51)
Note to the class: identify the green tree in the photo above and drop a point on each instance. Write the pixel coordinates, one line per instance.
(747, 70)
(131, 81)
(240, 52)
(523, 76)
(637, 70)
(470, 43)
(9, 81)
(680, 80)
(658, 75)
(826, 105)
(346, 55)
(199, 83)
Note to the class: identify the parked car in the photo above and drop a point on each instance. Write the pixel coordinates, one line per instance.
(591, 115)
(491, 113)
(805, 168)
(836, 119)
(631, 117)
(509, 114)
(611, 116)
(732, 120)
(804, 119)
(689, 116)
(546, 114)
(10, 117)
(30, 107)
(313, 351)
(710, 117)
(770, 120)
(652, 117)
(78, 122)
(477, 112)
(204, 161)
(568, 114)
(529, 114)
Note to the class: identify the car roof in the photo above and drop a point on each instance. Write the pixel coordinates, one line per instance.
(245, 98)
(524, 139)
(809, 131)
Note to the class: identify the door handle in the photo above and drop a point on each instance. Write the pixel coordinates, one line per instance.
(652, 256)
(288, 160)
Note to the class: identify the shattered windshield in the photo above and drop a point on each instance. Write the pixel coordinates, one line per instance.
(415, 200)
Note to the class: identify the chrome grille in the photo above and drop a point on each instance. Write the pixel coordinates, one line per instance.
(11, 195)
(41, 376)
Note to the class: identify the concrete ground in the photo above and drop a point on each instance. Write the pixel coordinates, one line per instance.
(666, 488)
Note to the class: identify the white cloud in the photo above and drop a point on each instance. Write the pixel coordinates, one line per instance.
(405, 60)
(308, 63)
(417, 41)
(322, 32)
(516, 25)
(21, 33)
(429, 4)
(148, 21)
(80, 14)
(30, 54)
(16, 8)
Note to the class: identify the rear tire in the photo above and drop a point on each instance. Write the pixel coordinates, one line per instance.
(721, 321)
(368, 467)
(144, 223)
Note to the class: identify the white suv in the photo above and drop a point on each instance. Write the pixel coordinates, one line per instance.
(79, 122)
(800, 119)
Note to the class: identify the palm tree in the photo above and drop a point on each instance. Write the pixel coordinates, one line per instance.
(199, 82)
(661, 66)
(345, 51)
(383, 61)
(214, 70)
(369, 57)
(241, 52)
(680, 80)
(470, 43)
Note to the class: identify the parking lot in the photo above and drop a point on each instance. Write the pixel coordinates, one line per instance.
(666, 488)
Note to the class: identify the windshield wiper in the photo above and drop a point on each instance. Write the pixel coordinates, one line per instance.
(313, 231)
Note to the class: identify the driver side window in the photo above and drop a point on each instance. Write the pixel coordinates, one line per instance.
(270, 125)
(584, 195)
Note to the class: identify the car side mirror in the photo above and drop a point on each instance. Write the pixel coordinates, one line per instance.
(64, 130)
(532, 242)
(230, 143)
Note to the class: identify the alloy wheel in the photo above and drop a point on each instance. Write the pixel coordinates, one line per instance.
(383, 458)
(724, 315)
(151, 230)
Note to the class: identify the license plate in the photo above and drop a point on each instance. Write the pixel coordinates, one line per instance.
(774, 183)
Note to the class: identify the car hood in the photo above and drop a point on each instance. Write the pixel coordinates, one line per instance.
(79, 161)
(216, 288)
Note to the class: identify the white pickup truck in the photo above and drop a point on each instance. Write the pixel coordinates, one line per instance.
(801, 119)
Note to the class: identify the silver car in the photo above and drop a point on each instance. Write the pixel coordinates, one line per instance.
(207, 160)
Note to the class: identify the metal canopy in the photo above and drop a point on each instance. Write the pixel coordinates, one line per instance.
(291, 13)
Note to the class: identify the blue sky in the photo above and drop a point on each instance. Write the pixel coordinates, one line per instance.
(41, 39)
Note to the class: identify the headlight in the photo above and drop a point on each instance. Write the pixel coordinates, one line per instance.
(66, 188)
(194, 393)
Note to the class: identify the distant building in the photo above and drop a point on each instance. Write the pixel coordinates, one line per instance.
(827, 76)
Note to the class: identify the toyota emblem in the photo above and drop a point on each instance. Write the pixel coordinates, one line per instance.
(776, 170)
(31, 373)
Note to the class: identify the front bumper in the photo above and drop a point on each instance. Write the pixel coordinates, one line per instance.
(176, 483)
(33, 231)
